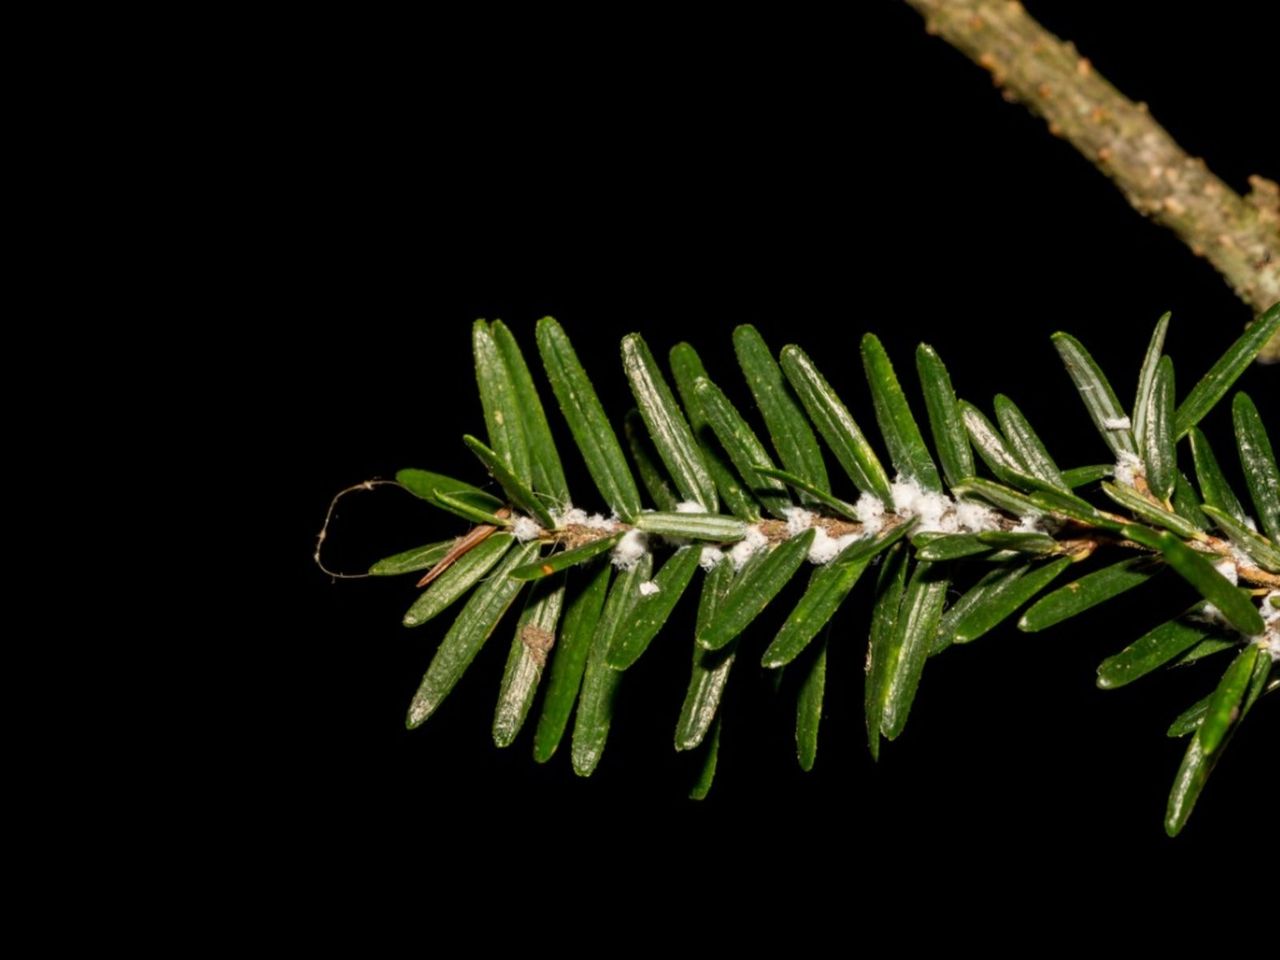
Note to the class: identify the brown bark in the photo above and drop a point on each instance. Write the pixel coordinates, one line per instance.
(1240, 236)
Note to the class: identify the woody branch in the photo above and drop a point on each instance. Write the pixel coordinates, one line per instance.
(1240, 236)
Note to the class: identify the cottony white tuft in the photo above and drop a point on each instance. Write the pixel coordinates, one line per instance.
(826, 548)
(748, 547)
(1128, 468)
(870, 511)
(630, 549)
(798, 520)
(526, 529)
(1270, 639)
(976, 517)
(937, 512)
(933, 509)
(572, 516)
(1227, 567)
(1031, 523)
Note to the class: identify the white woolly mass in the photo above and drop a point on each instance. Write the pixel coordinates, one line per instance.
(572, 516)
(710, 557)
(649, 588)
(1270, 642)
(936, 512)
(1270, 614)
(748, 547)
(826, 548)
(526, 529)
(1031, 523)
(1227, 567)
(1270, 638)
(630, 549)
(1242, 559)
(976, 517)
(798, 520)
(870, 511)
(1128, 467)
(689, 506)
(1211, 613)
(1117, 423)
(934, 509)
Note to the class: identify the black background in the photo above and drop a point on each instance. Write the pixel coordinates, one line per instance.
(818, 179)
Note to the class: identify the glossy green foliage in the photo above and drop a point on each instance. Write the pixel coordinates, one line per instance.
(1213, 485)
(600, 681)
(710, 527)
(1158, 448)
(1187, 505)
(710, 477)
(1002, 597)
(754, 591)
(467, 635)
(1258, 548)
(838, 428)
(1147, 380)
(837, 506)
(707, 771)
(744, 448)
(1192, 566)
(429, 486)
(1095, 390)
(827, 590)
(687, 368)
(652, 609)
(645, 458)
(998, 495)
(566, 559)
(788, 428)
(910, 644)
(501, 406)
(587, 421)
(1214, 385)
(809, 708)
(1153, 649)
(901, 433)
(519, 493)
(1083, 476)
(1027, 445)
(710, 667)
(992, 448)
(1259, 463)
(457, 580)
(949, 434)
(419, 558)
(1140, 506)
(1087, 592)
(1221, 712)
(569, 659)
(670, 432)
(882, 652)
(465, 510)
(534, 639)
(545, 470)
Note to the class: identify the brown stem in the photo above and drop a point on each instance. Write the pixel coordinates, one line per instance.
(1240, 236)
